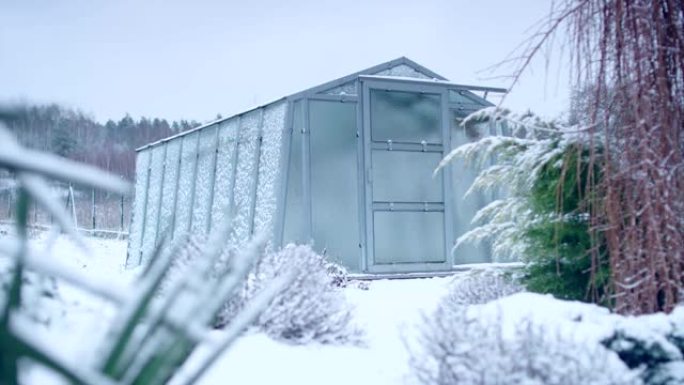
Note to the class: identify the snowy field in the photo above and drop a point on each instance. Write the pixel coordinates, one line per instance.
(391, 313)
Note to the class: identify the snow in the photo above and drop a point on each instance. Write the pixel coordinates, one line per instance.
(186, 184)
(138, 210)
(73, 321)
(244, 179)
(391, 313)
(204, 179)
(223, 183)
(154, 189)
(269, 167)
(170, 178)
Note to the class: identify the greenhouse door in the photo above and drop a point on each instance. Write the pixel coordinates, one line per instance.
(408, 225)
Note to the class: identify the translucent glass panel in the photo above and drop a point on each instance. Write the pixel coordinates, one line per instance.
(397, 233)
(405, 116)
(171, 169)
(334, 181)
(204, 180)
(153, 200)
(142, 165)
(293, 230)
(462, 177)
(186, 183)
(246, 173)
(269, 167)
(403, 70)
(405, 176)
(225, 170)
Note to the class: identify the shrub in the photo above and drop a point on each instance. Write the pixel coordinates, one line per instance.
(457, 347)
(481, 287)
(312, 308)
(544, 219)
(559, 243)
(653, 344)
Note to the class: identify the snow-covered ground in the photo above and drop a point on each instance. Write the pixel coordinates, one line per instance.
(388, 311)
(391, 313)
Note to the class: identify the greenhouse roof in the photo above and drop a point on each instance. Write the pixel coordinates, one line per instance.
(372, 73)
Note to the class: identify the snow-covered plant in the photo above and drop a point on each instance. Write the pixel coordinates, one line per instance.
(153, 335)
(313, 308)
(480, 287)
(652, 343)
(520, 158)
(544, 216)
(458, 347)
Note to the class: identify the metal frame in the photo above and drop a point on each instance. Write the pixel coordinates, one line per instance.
(442, 82)
(175, 190)
(161, 195)
(374, 69)
(256, 162)
(306, 171)
(233, 166)
(334, 98)
(361, 178)
(212, 183)
(283, 177)
(144, 208)
(194, 179)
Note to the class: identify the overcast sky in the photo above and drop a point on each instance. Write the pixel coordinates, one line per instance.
(193, 59)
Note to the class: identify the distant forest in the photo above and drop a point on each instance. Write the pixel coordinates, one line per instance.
(72, 134)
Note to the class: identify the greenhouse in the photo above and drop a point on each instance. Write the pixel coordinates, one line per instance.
(346, 166)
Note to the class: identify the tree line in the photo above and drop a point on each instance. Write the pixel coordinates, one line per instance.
(75, 135)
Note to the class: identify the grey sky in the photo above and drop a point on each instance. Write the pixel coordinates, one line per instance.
(193, 59)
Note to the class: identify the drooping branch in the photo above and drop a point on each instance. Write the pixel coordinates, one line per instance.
(630, 53)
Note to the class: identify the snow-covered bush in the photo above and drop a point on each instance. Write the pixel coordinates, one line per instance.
(653, 344)
(460, 347)
(311, 309)
(544, 217)
(480, 287)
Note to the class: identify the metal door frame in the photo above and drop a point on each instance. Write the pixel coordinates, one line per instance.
(366, 191)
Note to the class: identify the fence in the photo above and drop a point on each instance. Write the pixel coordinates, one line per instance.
(92, 211)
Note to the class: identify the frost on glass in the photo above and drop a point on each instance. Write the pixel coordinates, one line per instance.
(348, 88)
(293, 228)
(153, 200)
(269, 167)
(465, 207)
(406, 176)
(405, 116)
(395, 235)
(334, 181)
(204, 180)
(223, 182)
(171, 169)
(245, 175)
(186, 183)
(403, 70)
(138, 214)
